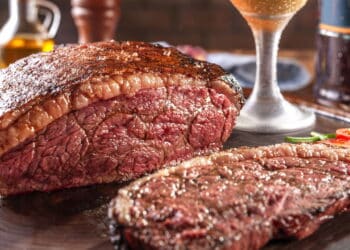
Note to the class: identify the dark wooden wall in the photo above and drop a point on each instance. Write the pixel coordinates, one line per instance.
(213, 24)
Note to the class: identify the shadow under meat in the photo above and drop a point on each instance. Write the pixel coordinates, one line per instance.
(63, 203)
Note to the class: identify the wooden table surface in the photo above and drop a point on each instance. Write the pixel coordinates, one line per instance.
(76, 218)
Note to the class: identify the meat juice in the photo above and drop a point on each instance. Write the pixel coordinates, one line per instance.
(333, 53)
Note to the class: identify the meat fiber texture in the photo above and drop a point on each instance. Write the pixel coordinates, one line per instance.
(237, 199)
(108, 111)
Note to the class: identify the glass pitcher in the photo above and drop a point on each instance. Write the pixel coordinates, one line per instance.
(24, 33)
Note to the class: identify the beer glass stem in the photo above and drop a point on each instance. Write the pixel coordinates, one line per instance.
(266, 87)
(266, 111)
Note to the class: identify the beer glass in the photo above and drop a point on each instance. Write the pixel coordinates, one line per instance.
(266, 111)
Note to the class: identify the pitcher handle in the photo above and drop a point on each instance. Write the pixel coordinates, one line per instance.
(52, 17)
(48, 16)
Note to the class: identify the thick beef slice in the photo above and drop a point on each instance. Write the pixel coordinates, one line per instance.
(110, 112)
(235, 199)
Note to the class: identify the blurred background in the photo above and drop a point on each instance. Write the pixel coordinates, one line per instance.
(212, 24)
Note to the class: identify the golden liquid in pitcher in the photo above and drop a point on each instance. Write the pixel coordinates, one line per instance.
(22, 46)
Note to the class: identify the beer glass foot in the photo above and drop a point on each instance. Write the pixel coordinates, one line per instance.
(280, 117)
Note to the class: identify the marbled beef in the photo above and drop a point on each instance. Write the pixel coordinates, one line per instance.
(108, 111)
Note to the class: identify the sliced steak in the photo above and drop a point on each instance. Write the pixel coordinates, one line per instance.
(106, 112)
(235, 199)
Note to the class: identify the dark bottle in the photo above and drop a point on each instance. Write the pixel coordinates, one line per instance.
(333, 53)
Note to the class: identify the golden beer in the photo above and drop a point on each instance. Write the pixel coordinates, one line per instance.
(268, 14)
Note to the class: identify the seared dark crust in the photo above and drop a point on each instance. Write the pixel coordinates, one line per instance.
(49, 73)
(235, 199)
(238, 91)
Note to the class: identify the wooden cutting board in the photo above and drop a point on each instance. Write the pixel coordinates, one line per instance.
(76, 218)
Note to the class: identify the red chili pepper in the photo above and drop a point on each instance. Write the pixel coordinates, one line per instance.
(343, 133)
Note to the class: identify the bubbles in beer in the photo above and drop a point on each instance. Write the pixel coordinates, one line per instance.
(268, 7)
(268, 14)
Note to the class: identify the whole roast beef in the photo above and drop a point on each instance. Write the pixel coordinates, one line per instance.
(236, 199)
(106, 112)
